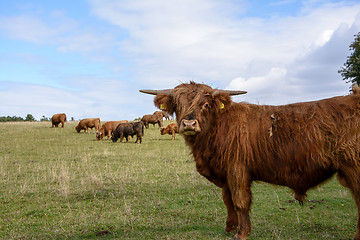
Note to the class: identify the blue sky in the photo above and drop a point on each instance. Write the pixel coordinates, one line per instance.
(90, 58)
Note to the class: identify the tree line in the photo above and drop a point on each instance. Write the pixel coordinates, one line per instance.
(28, 118)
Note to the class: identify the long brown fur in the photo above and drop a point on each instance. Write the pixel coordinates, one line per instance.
(58, 118)
(298, 145)
(154, 118)
(107, 128)
(170, 129)
(87, 123)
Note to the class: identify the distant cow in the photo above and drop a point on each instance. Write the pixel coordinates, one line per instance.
(128, 129)
(87, 123)
(163, 114)
(107, 128)
(170, 129)
(58, 118)
(297, 145)
(153, 119)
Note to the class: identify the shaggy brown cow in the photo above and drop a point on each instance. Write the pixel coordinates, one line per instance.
(170, 129)
(125, 130)
(163, 114)
(153, 119)
(297, 145)
(58, 118)
(87, 123)
(107, 128)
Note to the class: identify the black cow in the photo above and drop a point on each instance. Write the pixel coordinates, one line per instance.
(128, 129)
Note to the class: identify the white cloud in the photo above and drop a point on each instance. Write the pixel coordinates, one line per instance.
(324, 37)
(56, 29)
(84, 42)
(26, 28)
(185, 41)
(263, 89)
(270, 82)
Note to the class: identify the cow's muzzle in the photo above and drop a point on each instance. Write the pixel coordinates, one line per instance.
(189, 127)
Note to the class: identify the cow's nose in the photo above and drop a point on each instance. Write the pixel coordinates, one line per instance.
(189, 127)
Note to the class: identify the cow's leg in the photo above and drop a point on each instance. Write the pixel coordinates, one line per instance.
(357, 235)
(351, 180)
(138, 137)
(239, 184)
(232, 217)
(62, 124)
(108, 135)
(356, 195)
(242, 205)
(173, 135)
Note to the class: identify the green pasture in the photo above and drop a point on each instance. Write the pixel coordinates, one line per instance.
(59, 184)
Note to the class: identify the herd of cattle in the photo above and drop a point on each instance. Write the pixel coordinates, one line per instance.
(115, 130)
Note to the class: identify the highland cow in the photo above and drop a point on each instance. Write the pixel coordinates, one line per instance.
(297, 145)
(125, 130)
(58, 118)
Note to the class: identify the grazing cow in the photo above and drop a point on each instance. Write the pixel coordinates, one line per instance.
(87, 123)
(153, 119)
(163, 114)
(58, 118)
(297, 145)
(107, 128)
(170, 129)
(128, 129)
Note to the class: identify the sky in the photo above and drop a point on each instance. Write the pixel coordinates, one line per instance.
(90, 58)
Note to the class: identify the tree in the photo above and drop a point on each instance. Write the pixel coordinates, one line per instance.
(44, 119)
(350, 72)
(11, 119)
(30, 118)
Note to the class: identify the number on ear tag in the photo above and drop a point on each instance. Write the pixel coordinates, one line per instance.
(162, 107)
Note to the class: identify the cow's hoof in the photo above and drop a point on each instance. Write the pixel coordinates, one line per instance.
(237, 237)
(231, 228)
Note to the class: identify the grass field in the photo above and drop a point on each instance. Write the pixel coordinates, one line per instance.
(59, 184)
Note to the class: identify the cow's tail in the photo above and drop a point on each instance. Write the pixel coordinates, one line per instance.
(142, 128)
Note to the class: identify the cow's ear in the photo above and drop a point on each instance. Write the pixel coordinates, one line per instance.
(163, 102)
(221, 99)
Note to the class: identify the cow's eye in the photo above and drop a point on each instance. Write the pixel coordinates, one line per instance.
(206, 106)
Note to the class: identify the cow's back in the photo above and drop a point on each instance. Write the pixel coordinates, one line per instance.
(111, 125)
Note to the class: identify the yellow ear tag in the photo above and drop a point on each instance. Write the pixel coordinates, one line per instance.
(222, 105)
(162, 107)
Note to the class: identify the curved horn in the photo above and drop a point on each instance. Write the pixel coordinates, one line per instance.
(155, 92)
(233, 92)
(230, 92)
